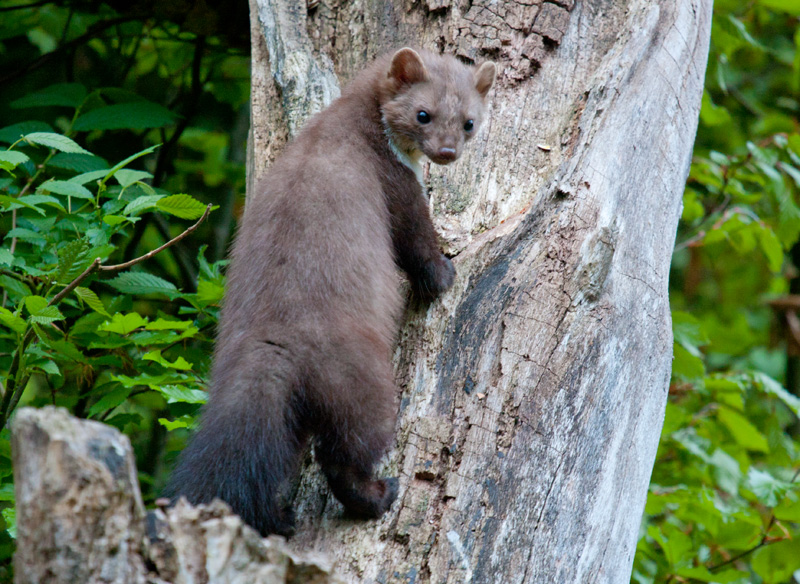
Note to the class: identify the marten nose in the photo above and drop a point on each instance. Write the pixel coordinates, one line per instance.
(447, 153)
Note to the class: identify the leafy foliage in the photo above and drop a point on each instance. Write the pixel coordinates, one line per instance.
(108, 121)
(724, 501)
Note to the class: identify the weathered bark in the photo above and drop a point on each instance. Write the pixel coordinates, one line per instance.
(80, 519)
(533, 393)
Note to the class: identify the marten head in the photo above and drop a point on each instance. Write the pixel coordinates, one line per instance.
(433, 103)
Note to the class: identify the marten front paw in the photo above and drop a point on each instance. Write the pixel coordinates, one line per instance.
(436, 277)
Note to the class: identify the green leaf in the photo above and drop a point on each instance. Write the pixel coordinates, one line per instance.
(134, 115)
(771, 386)
(123, 323)
(142, 283)
(788, 511)
(767, 488)
(172, 325)
(178, 394)
(87, 177)
(182, 206)
(72, 260)
(77, 162)
(11, 134)
(142, 203)
(772, 248)
(788, 6)
(47, 315)
(117, 219)
(35, 303)
(57, 141)
(128, 160)
(745, 434)
(711, 114)
(60, 94)
(14, 287)
(63, 187)
(776, 562)
(182, 422)
(10, 517)
(126, 177)
(12, 321)
(6, 257)
(686, 365)
(91, 299)
(12, 158)
(110, 400)
(180, 363)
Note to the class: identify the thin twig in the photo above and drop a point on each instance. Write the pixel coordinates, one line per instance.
(150, 254)
(13, 391)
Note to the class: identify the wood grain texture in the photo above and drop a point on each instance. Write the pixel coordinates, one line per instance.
(533, 393)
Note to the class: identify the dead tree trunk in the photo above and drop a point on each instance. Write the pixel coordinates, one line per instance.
(533, 393)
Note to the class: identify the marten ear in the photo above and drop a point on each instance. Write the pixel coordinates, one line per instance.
(407, 67)
(484, 78)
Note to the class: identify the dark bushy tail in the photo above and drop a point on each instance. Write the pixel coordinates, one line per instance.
(246, 450)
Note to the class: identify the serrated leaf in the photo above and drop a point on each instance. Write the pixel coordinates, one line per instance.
(117, 219)
(771, 246)
(63, 187)
(47, 315)
(6, 257)
(182, 206)
(140, 204)
(135, 115)
(12, 158)
(35, 303)
(180, 363)
(77, 162)
(40, 200)
(11, 134)
(60, 94)
(142, 283)
(27, 235)
(14, 287)
(65, 350)
(10, 203)
(178, 394)
(110, 400)
(128, 160)
(88, 177)
(72, 260)
(182, 422)
(57, 141)
(91, 299)
(172, 325)
(12, 321)
(126, 177)
(745, 434)
(123, 324)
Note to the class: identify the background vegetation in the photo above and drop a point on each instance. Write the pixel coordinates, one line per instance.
(120, 122)
(724, 502)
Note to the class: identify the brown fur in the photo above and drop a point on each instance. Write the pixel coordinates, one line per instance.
(312, 303)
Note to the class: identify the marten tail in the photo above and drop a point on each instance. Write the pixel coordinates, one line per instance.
(248, 445)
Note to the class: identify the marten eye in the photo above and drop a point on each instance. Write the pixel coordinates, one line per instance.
(468, 125)
(423, 117)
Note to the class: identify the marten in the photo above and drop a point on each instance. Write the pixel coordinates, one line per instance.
(312, 302)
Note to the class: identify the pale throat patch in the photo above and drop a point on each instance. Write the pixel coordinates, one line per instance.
(409, 159)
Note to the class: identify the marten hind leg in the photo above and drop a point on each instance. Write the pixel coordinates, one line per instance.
(356, 427)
